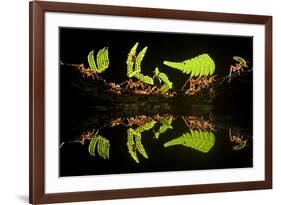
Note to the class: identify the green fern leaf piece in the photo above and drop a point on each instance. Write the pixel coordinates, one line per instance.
(92, 145)
(134, 65)
(102, 60)
(182, 66)
(166, 124)
(165, 88)
(132, 145)
(139, 145)
(212, 64)
(199, 140)
(145, 127)
(240, 146)
(167, 83)
(131, 60)
(198, 66)
(137, 71)
(144, 78)
(241, 60)
(186, 68)
(134, 140)
(91, 62)
(139, 60)
(209, 67)
(165, 78)
(202, 65)
(103, 147)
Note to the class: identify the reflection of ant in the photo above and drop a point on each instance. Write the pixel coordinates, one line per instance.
(86, 136)
(193, 122)
(238, 140)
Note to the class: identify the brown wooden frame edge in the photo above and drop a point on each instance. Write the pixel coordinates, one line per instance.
(37, 194)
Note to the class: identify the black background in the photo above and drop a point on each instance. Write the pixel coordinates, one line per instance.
(236, 102)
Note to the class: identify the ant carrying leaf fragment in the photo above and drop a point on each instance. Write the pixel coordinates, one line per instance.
(238, 67)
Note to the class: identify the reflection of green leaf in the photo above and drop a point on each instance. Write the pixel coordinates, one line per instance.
(240, 146)
(202, 141)
(92, 145)
(139, 145)
(145, 127)
(134, 140)
(166, 124)
(102, 145)
(132, 145)
(103, 148)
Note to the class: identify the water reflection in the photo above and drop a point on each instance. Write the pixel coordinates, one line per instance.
(134, 140)
(199, 135)
(166, 123)
(193, 122)
(102, 145)
(199, 140)
(239, 140)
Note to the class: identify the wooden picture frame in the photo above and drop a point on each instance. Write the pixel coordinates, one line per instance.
(37, 10)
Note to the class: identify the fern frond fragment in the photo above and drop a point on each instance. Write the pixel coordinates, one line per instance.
(199, 140)
(134, 64)
(241, 61)
(163, 77)
(100, 144)
(102, 61)
(134, 143)
(166, 124)
(202, 65)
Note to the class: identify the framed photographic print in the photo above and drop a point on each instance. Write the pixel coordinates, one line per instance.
(139, 102)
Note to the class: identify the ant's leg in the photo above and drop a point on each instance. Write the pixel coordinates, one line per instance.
(241, 138)
(187, 91)
(96, 75)
(153, 88)
(142, 85)
(92, 75)
(124, 82)
(185, 121)
(230, 70)
(185, 84)
(230, 135)
(128, 83)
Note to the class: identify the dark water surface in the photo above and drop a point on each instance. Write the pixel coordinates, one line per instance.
(76, 160)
